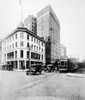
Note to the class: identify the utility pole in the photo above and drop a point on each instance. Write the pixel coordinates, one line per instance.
(20, 2)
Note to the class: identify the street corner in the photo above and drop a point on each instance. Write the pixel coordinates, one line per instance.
(75, 75)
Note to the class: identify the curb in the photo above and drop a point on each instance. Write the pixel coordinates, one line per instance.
(76, 75)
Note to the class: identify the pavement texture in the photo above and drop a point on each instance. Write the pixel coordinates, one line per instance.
(47, 86)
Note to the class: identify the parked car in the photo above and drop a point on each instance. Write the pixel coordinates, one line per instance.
(34, 69)
(7, 67)
(50, 68)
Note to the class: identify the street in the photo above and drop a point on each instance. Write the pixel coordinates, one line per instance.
(47, 86)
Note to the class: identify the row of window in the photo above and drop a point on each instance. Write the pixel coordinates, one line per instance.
(33, 47)
(33, 55)
(33, 39)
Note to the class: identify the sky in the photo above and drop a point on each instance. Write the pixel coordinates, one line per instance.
(71, 14)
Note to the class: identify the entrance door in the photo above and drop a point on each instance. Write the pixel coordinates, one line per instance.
(21, 63)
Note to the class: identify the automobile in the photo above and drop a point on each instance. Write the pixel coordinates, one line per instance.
(50, 68)
(7, 67)
(34, 69)
(45, 68)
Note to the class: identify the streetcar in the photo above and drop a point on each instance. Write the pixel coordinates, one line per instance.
(66, 65)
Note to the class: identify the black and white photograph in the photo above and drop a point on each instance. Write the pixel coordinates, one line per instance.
(42, 49)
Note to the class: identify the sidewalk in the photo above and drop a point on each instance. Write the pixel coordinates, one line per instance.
(76, 75)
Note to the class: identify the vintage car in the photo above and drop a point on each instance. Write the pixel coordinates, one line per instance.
(34, 69)
(7, 67)
(50, 68)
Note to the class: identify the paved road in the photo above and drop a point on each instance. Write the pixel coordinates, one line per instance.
(48, 86)
(59, 86)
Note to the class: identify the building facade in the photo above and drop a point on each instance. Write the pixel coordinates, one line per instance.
(21, 48)
(48, 27)
(31, 23)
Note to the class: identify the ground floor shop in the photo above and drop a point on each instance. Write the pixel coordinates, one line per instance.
(22, 64)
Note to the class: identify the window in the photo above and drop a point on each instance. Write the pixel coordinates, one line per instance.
(42, 43)
(34, 40)
(12, 45)
(15, 44)
(10, 39)
(27, 44)
(35, 55)
(31, 38)
(5, 56)
(15, 36)
(21, 44)
(27, 54)
(42, 57)
(32, 46)
(21, 35)
(10, 55)
(42, 50)
(37, 41)
(27, 36)
(37, 48)
(15, 54)
(21, 53)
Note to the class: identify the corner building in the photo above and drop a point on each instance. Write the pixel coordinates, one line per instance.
(21, 48)
(48, 27)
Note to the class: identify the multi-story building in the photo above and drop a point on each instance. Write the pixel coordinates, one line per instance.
(21, 48)
(31, 23)
(48, 27)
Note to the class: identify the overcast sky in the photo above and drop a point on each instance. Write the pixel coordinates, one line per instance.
(71, 14)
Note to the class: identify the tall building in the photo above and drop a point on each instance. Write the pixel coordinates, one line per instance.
(48, 27)
(31, 23)
(21, 48)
